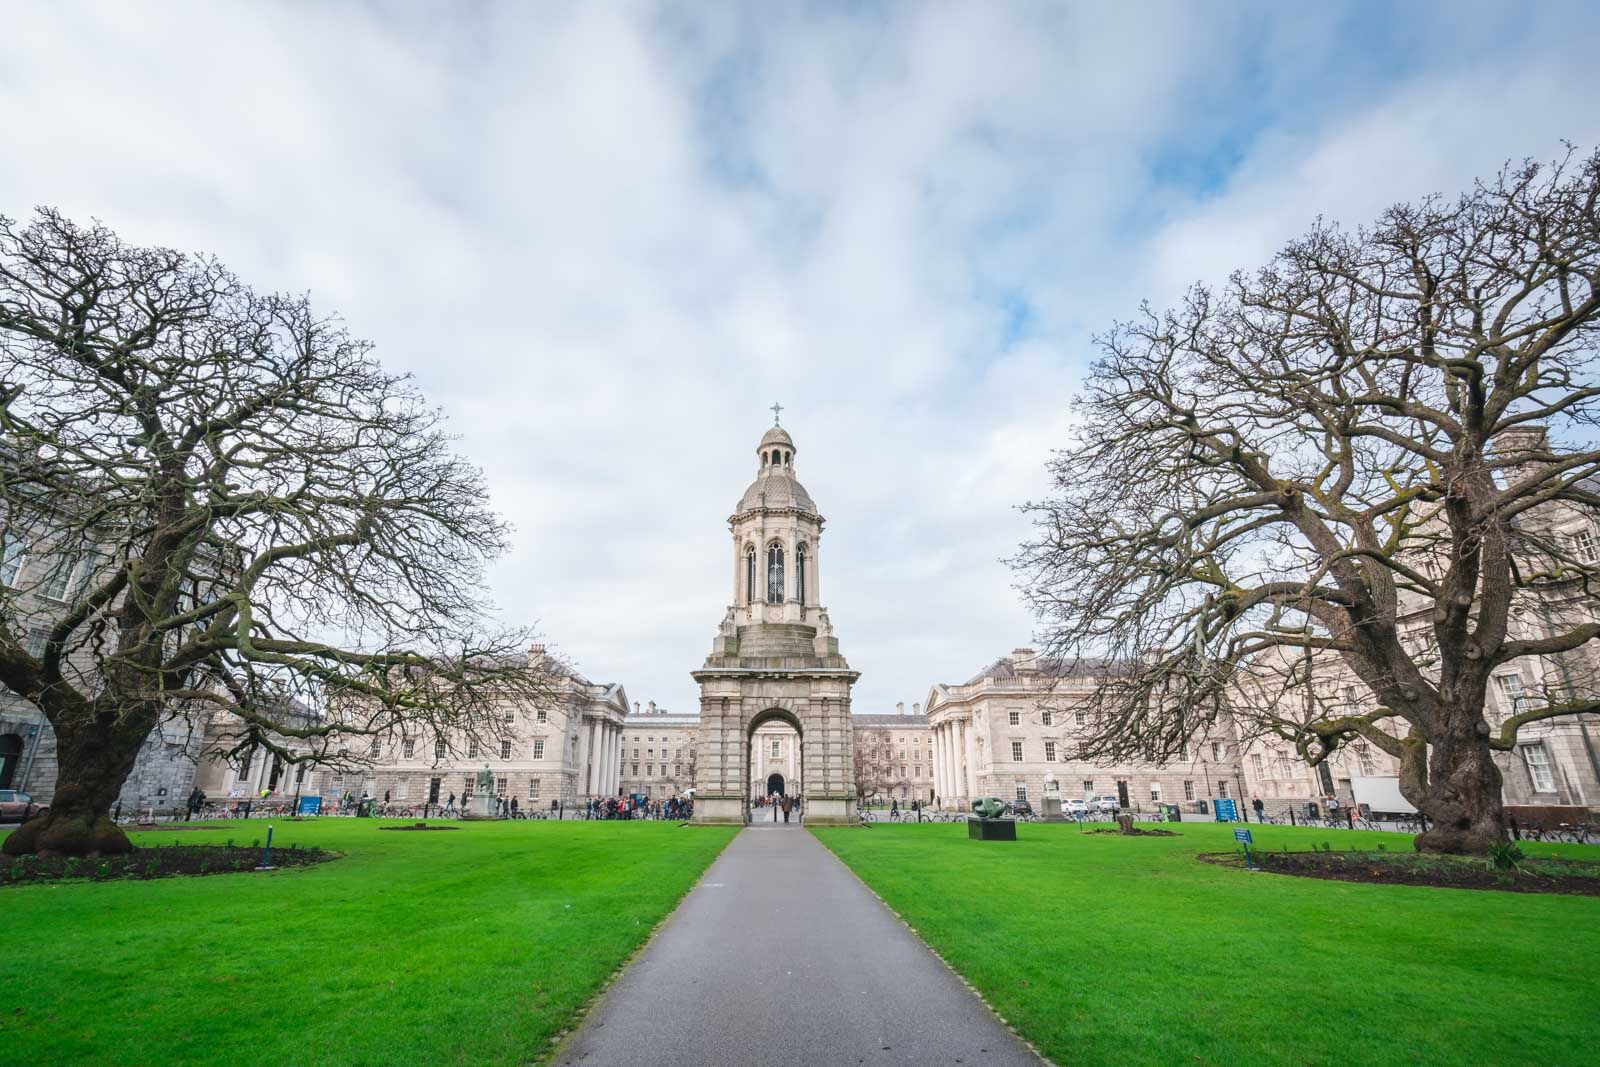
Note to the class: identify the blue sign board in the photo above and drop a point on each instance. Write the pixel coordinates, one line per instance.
(309, 806)
(1243, 837)
(1225, 810)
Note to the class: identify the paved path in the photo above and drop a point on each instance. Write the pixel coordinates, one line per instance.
(779, 956)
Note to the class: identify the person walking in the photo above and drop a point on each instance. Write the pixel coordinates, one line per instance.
(513, 807)
(450, 805)
(786, 804)
(1258, 806)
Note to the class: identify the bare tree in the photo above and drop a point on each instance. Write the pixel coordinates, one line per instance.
(215, 499)
(1345, 459)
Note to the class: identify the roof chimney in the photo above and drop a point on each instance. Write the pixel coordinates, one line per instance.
(916, 709)
(1024, 660)
(900, 708)
(535, 654)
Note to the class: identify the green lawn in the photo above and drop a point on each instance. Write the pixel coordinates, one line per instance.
(474, 946)
(1106, 949)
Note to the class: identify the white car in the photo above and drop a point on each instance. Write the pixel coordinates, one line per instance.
(1075, 808)
(1107, 804)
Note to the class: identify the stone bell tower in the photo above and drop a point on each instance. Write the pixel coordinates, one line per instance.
(775, 656)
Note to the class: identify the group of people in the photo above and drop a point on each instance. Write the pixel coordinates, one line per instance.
(636, 807)
(782, 804)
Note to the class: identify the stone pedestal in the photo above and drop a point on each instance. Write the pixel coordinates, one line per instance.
(720, 810)
(1052, 810)
(992, 829)
(831, 811)
(481, 806)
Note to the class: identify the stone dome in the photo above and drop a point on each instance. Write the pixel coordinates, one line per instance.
(777, 436)
(776, 487)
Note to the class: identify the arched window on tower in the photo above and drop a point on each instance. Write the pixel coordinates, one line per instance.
(750, 574)
(775, 574)
(800, 573)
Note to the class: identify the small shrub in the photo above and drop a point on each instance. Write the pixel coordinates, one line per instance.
(1327, 847)
(17, 869)
(71, 867)
(1382, 847)
(205, 865)
(150, 868)
(103, 870)
(1505, 856)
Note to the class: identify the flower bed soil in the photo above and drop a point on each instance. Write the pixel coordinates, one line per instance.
(159, 862)
(1538, 875)
(419, 826)
(1135, 832)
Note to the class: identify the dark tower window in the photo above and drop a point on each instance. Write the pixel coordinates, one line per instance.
(800, 573)
(775, 574)
(750, 575)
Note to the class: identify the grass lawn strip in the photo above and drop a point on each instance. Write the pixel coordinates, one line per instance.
(1105, 949)
(472, 947)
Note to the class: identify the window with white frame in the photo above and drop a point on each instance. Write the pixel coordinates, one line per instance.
(377, 747)
(777, 749)
(1537, 757)
(1511, 692)
(1014, 717)
(1016, 752)
(649, 769)
(1585, 546)
(38, 637)
(1022, 791)
(1258, 764)
(402, 790)
(510, 717)
(1188, 790)
(1079, 718)
(1049, 751)
(500, 786)
(408, 749)
(538, 748)
(1222, 790)
(59, 578)
(472, 750)
(505, 750)
(13, 550)
(533, 789)
(1047, 718)
(775, 574)
(1216, 750)
(1155, 792)
(438, 750)
(542, 716)
(1088, 787)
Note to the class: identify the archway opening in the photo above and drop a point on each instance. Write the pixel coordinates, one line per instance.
(775, 768)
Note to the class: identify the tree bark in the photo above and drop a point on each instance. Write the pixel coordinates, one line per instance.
(94, 759)
(1460, 795)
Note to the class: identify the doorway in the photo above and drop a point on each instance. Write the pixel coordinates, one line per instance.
(775, 785)
(10, 752)
(773, 767)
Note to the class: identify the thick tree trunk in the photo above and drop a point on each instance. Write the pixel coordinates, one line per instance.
(94, 760)
(1460, 796)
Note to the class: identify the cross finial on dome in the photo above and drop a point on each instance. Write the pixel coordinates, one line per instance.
(776, 408)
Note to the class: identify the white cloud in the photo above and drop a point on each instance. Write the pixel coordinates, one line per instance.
(606, 237)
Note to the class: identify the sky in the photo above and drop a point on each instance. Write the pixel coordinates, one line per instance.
(606, 237)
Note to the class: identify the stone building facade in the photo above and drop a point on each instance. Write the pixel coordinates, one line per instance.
(1011, 731)
(565, 751)
(658, 752)
(894, 757)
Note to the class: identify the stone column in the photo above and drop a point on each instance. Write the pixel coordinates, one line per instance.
(969, 744)
(614, 766)
(940, 760)
(964, 759)
(591, 779)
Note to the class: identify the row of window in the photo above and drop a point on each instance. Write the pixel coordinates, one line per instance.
(775, 582)
(57, 582)
(650, 770)
(1155, 790)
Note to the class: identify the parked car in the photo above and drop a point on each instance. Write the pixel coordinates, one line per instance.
(15, 804)
(1107, 804)
(1019, 807)
(1075, 808)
